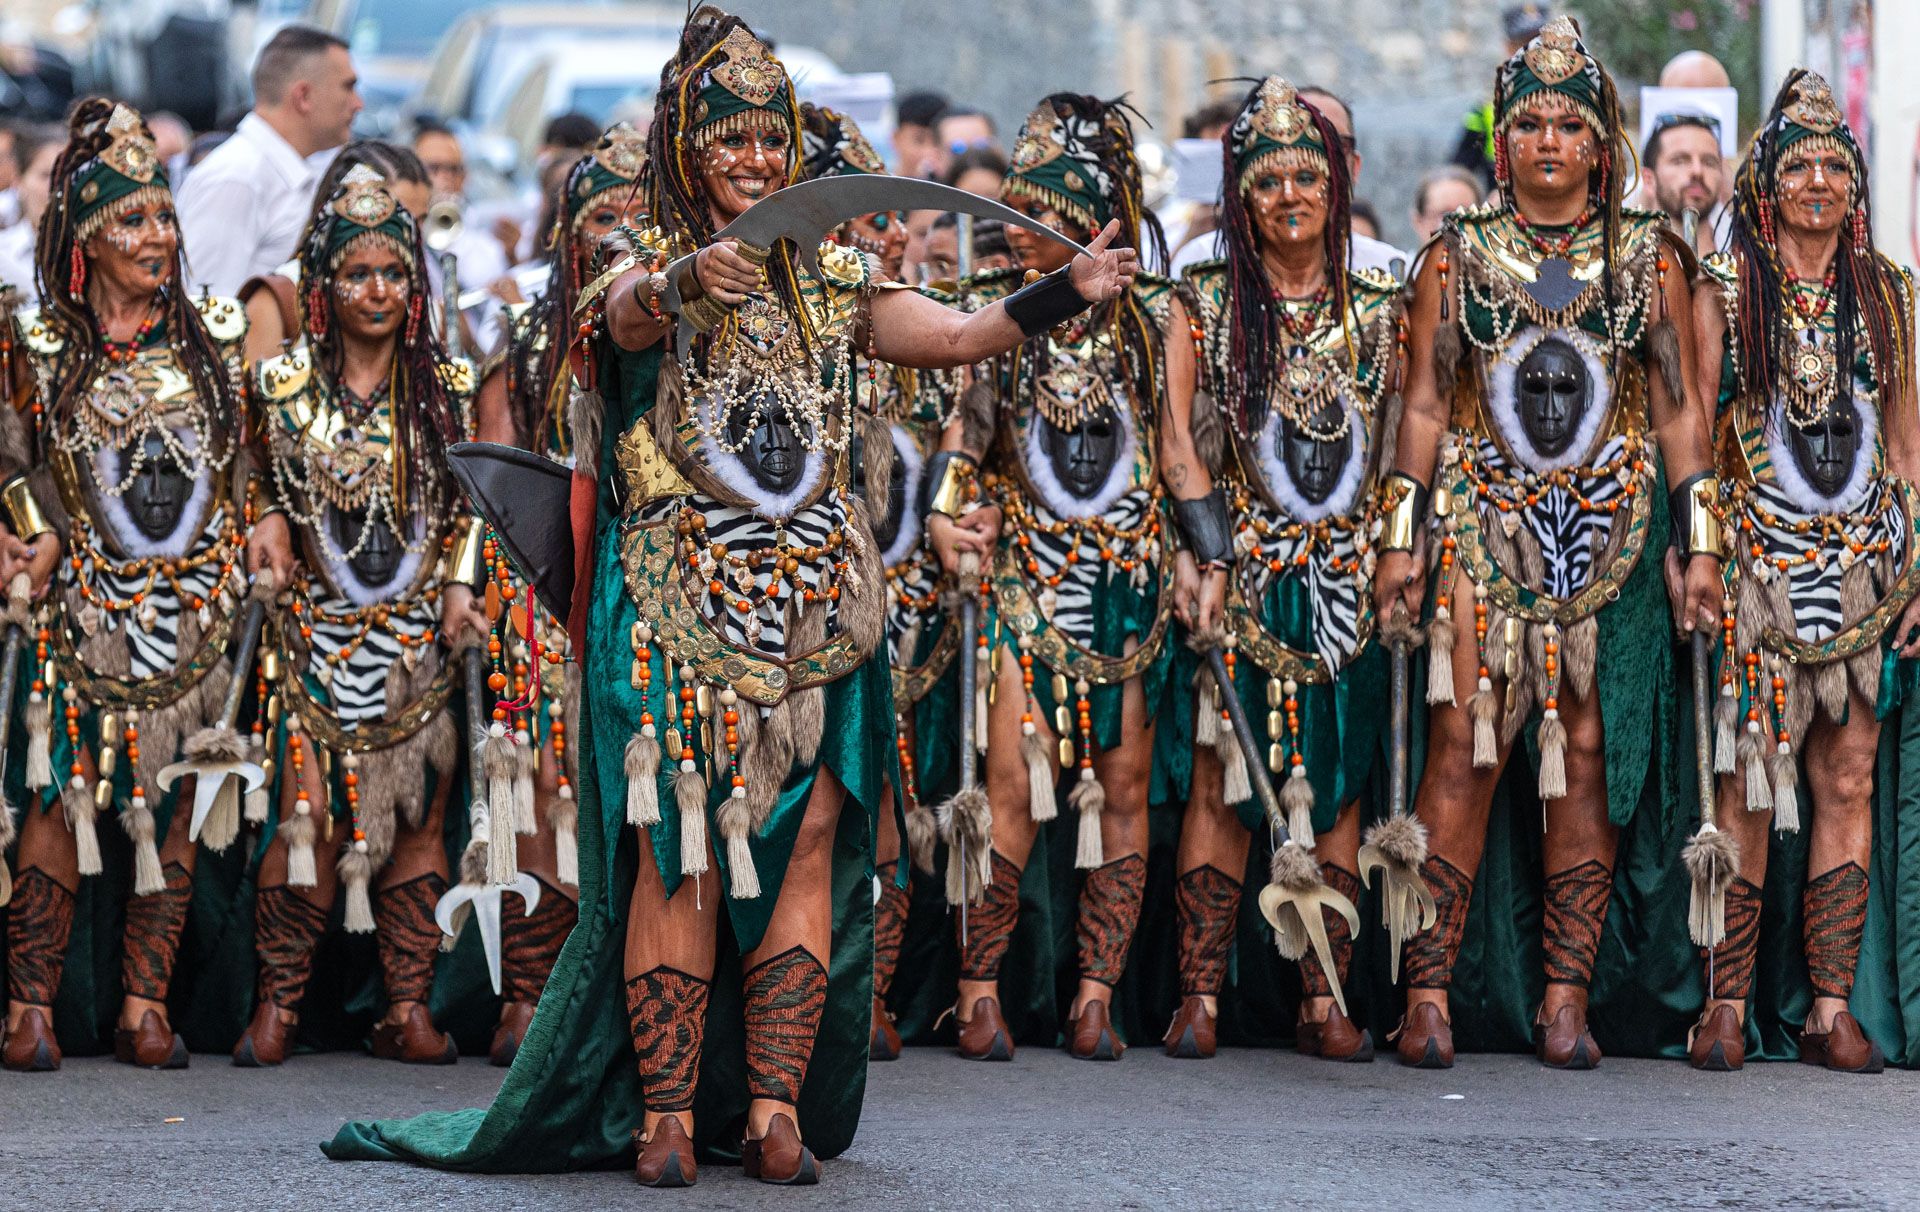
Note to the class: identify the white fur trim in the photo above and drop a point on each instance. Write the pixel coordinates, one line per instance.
(914, 468)
(1345, 493)
(732, 471)
(126, 535)
(1503, 402)
(1794, 483)
(1054, 494)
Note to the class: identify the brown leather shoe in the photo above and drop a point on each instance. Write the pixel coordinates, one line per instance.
(514, 1020)
(151, 1045)
(1717, 1044)
(30, 1047)
(414, 1040)
(1335, 1039)
(1091, 1036)
(1844, 1047)
(985, 1036)
(1425, 1038)
(885, 1043)
(779, 1157)
(1192, 1035)
(266, 1041)
(667, 1159)
(1565, 1043)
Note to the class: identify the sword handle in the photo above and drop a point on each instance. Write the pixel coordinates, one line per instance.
(1398, 729)
(475, 663)
(252, 619)
(1703, 723)
(1250, 748)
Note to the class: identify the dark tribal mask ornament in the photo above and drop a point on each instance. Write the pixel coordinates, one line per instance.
(1316, 454)
(1083, 458)
(768, 446)
(159, 490)
(1826, 449)
(1554, 392)
(376, 550)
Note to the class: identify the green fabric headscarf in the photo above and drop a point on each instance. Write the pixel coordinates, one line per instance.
(615, 164)
(1556, 61)
(1275, 124)
(744, 81)
(128, 165)
(1056, 162)
(364, 205)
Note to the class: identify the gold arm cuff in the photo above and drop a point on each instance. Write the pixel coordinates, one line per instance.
(753, 253)
(705, 313)
(953, 492)
(1705, 534)
(24, 515)
(463, 564)
(1401, 525)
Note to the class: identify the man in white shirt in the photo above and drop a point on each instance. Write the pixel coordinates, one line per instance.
(1364, 252)
(243, 207)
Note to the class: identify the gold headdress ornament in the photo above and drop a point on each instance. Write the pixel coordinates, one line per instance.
(856, 151)
(622, 152)
(365, 209)
(1554, 55)
(1275, 130)
(131, 153)
(1042, 140)
(744, 79)
(1277, 111)
(1813, 105)
(363, 199)
(1811, 121)
(127, 172)
(748, 70)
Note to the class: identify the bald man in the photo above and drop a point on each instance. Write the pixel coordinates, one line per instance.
(1694, 69)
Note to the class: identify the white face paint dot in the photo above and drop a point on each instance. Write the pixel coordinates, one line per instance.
(1452, 1098)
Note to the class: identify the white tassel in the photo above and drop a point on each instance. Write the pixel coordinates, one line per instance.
(258, 804)
(356, 872)
(78, 803)
(690, 797)
(137, 820)
(743, 877)
(39, 742)
(643, 786)
(1726, 719)
(1440, 659)
(300, 830)
(1206, 712)
(1296, 799)
(1235, 782)
(222, 825)
(1089, 799)
(565, 816)
(524, 819)
(1486, 747)
(1043, 776)
(1786, 791)
(1759, 793)
(1553, 756)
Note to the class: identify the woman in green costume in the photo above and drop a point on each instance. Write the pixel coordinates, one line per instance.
(1540, 447)
(731, 602)
(1283, 402)
(125, 400)
(1811, 333)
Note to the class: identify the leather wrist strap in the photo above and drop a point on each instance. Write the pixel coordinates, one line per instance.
(1050, 301)
(1204, 525)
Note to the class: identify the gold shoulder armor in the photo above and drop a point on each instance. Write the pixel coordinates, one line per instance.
(457, 375)
(843, 266)
(225, 318)
(42, 338)
(1722, 268)
(283, 377)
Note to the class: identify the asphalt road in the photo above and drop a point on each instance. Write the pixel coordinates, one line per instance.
(1247, 1129)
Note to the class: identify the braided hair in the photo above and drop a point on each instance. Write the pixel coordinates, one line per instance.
(1866, 293)
(55, 246)
(1255, 310)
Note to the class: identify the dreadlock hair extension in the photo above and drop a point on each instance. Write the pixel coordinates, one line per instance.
(55, 245)
(424, 417)
(1865, 293)
(1255, 337)
(676, 196)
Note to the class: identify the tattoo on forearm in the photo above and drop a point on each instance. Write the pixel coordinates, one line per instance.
(1177, 475)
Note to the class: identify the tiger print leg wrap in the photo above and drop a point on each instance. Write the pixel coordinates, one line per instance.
(39, 921)
(1576, 910)
(530, 944)
(1732, 960)
(1206, 900)
(1109, 910)
(990, 924)
(1836, 909)
(785, 997)
(408, 936)
(889, 927)
(1339, 937)
(154, 924)
(1430, 955)
(667, 1013)
(286, 928)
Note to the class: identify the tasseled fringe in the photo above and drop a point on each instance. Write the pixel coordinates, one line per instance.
(39, 742)
(1712, 858)
(564, 815)
(1786, 792)
(1482, 708)
(1726, 722)
(922, 832)
(1553, 757)
(497, 760)
(743, 879)
(643, 786)
(1440, 659)
(137, 820)
(78, 804)
(356, 872)
(690, 797)
(1759, 793)
(1043, 777)
(1236, 785)
(1206, 711)
(525, 820)
(1296, 800)
(259, 802)
(1293, 874)
(965, 822)
(1089, 799)
(222, 825)
(301, 871)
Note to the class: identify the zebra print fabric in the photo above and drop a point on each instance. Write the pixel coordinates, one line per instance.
(1571, 537)
(1332, 594)
(1813, 586)
(152, 633)
(356, 684)
(1069, 605)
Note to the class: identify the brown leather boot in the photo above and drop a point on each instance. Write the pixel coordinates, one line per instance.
(1717, 1044)
(151, 1045)
(1192, 1035)
(1843, 1047)
(1091, 1036)
(515, 1017)
(665, 1160)
(985, 1036)
(266, 1041)
(30, 1047)
(1335, 1039)
(1425, 1038)
(1565, 1043)
(414, 1040)
(779, 1157)
(885, 1044)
